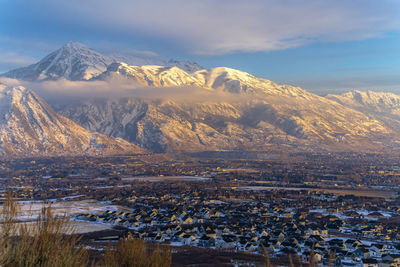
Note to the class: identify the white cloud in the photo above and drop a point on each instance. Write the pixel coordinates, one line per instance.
(226, 26)
(15, 52)
(63, 91)
(12, 58)
(26, 43)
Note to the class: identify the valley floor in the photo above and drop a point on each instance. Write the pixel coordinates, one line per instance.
(212, 212)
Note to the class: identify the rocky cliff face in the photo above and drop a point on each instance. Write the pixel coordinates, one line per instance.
(236, 110)
(377, 102)
(28, 126)
(142, 76)
(381, 106)
(166, 125)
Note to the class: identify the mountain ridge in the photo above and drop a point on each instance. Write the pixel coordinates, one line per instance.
(238, 111)
(75, 61)
(29, 126)
(72, 61)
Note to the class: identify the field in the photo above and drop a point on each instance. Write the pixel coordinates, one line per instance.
(338, 192)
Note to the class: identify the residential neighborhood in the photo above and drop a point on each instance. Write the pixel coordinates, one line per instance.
(349, 231)
(301, 212)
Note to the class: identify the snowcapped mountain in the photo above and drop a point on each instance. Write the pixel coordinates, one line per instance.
(138, 59)
(74, 61)
(235, 110)
(187, 66)
(236, 81)
(382, 106)
(148, 75)
(141, 59)
(219, 79)
(297, 121)
(28, 126)
(381, 102)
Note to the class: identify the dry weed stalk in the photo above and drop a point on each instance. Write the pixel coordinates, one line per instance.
(41, 243)
(132, 252)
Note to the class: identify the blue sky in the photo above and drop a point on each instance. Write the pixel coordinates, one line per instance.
(325, 46)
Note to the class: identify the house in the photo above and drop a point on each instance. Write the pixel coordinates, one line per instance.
(337, 243)
(376, 250)
(188, 239)
(331, 260)
(225, 241)
(370, 262)
(352, 244)
(393, 258)
(306, 257)
(187, 220)
(361, 252)
(211, 233)
(206, 241)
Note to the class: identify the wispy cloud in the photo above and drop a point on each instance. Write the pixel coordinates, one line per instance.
(17, 52)
(28, 44)
(225, 26)
(338, 85)
(64, 91)
(12, 58)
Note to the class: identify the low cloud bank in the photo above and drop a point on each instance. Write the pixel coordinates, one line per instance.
(64, 91)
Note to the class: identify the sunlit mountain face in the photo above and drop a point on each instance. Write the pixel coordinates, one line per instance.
(261, 76)
(164, 108)
(200, 133)
(29, 127)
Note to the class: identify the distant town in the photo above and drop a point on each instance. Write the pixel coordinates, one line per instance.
(325, 207)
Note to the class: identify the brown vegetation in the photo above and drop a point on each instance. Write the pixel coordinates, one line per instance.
(48, 241)
(41, 243)
(132, 252)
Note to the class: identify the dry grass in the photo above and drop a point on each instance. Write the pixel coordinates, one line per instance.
(131, 252)
(40, 243)
(267, 262)
(44, 243)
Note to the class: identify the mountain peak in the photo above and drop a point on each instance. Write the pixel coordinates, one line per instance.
(149, 75)
(73, 44)
(13, 93)
(77, 47)
(29, 126)
(73, 61)
(187, 66)
(76, 61)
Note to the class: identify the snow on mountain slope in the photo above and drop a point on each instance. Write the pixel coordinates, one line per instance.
(162, 125)
(251, 113)
(187, 66)
(73, 61)
(220, 79)
(158, 76)
(236, 81)
(138, 59)
(159, 126)
(381, 106)
(141, 59)
(28, 126)
(374, 101)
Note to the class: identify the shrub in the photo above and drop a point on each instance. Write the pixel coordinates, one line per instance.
(132, 252)
(41, 243)
(49, 242)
